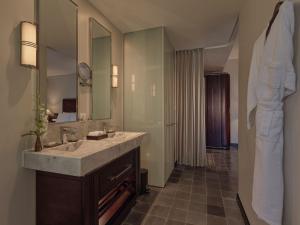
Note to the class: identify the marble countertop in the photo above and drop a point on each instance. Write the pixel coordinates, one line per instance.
(89, 156)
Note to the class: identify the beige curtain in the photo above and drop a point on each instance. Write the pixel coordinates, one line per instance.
(190, 108)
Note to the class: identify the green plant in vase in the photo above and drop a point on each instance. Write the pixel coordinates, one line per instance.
(41, 124)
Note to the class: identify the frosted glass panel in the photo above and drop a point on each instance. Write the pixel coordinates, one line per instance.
(144, 96)
(169, 88)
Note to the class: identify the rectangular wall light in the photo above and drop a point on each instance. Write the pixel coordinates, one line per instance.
(28, 44)
(115, 74)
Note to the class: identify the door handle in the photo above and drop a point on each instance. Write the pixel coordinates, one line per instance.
(116, 177)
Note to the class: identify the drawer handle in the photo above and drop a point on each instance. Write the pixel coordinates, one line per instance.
(128, 167)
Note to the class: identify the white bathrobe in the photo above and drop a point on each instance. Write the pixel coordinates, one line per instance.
(272, 78)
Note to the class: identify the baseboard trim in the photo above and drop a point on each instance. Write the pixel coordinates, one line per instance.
(217, 148)
(244, 215)
(234, 145)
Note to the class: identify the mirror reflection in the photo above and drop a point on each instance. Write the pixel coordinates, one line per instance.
(101, 70)
(58, 58)
(85, 74)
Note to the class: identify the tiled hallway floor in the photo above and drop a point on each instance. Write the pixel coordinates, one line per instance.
(194, 196)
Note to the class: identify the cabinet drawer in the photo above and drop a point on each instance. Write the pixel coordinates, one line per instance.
(114, 173)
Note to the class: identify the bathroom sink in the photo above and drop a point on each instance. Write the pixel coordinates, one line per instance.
(80, 158)
(85, 145)
(69, 147)
(115, 137)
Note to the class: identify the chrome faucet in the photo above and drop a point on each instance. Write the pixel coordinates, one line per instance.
(64, 132)
(104, 127)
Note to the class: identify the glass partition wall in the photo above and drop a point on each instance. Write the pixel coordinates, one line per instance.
(148, 105)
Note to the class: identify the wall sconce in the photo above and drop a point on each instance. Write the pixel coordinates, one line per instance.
(28, 44)
(115, 74)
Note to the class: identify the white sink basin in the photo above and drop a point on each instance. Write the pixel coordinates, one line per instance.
(118, 137)
(69, 147)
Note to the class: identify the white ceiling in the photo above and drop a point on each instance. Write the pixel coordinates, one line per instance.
(216, 58)
(189, 23)
(59, 64)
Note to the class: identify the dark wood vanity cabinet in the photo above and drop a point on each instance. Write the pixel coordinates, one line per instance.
(102, 197)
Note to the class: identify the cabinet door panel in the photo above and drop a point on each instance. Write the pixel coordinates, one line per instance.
(59, 199)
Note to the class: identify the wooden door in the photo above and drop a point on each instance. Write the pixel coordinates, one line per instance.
(217, 110)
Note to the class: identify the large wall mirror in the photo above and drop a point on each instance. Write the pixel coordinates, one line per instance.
(100, 39)
(57, 20)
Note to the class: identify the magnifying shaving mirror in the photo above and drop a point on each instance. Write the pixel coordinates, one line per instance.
(85, 74)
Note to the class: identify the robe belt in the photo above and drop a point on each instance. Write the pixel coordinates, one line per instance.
(262, 109)
(270, 106)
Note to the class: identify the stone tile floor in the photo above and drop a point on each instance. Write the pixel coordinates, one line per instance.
(194, 196)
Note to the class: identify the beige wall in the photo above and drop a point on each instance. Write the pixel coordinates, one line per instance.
(254, 17)
(232, 67)
(17, 186)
